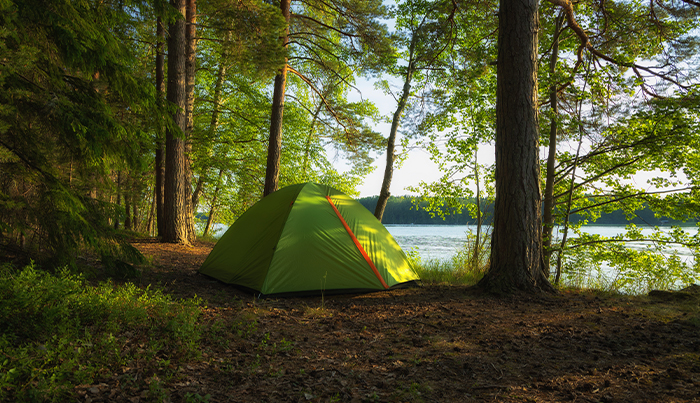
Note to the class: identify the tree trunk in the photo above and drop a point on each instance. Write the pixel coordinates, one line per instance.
(190, 70)
(160, 160)
(199, 187)
(127, 208)
(570, 196)
(190, 62)
(391, 141)
(548, 218)
(274, 148)
(309, 137)
(151, 216)
(210, 218)
(516, 248)
(477, 183)
(176, 206)
(119, 198)
(135, 219)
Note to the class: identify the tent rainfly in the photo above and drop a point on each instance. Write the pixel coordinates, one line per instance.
(308, 239)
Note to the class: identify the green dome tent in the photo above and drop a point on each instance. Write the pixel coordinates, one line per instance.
(308, 239)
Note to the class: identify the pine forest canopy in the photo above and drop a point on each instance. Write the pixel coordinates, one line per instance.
(130, 117)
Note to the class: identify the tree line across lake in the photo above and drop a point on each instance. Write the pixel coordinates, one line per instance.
(406, 210)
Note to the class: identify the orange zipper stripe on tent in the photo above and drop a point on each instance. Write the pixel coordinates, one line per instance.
(357, 243)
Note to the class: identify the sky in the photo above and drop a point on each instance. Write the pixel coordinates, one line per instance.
(416, 168)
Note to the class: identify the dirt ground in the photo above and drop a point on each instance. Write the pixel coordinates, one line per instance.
(431, 344)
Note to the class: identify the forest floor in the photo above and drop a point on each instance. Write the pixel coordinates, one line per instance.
(431, 344)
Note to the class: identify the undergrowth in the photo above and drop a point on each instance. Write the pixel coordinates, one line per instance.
(58, 331)
(464, 268)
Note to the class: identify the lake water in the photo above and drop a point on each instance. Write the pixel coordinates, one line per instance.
(443, 241)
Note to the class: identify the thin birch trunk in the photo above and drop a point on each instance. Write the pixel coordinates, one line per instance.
(548, 213)
(391, 141)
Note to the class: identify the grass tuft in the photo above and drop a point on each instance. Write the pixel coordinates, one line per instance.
(462, 269)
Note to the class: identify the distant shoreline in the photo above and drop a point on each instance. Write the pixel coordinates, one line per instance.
(401, 210)
(585, 225)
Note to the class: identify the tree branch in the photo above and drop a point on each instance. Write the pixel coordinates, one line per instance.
(323, 99)
(568, 9)
(304, 17)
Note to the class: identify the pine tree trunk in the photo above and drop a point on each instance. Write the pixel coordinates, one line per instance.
(160, 144)
(190, 69)
(391, 142)
(548, 218)
(274, 148)
(516, 248)
(127, 209)
(134, 214)
(176, 203)
(119, 198)
(151, 216)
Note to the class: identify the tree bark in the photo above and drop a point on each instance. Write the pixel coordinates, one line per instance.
(151, 216)
(479, 220)
(309, 137)
(548, 218)
(190, 70)
(160, 145)
(119, 198)
(127, 207)
(210, 218)
(516, 246)
(274, 148)
(135, 219)
(176, 194)
(391, 141)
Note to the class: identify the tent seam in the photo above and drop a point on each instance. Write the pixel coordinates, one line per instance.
(358, 245)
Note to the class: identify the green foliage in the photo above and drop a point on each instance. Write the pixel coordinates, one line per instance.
(252, 29)
(633, 263)
(57, 331)
(66, 84)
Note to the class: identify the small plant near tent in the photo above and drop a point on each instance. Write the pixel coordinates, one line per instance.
(245, 328)
(323, 290)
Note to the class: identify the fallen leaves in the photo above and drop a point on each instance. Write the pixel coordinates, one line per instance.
(426, 344)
